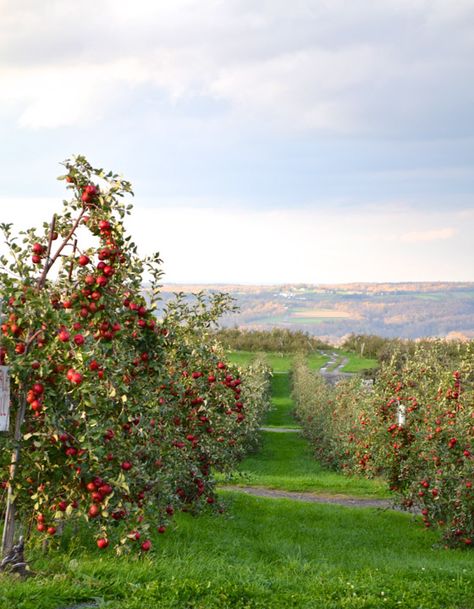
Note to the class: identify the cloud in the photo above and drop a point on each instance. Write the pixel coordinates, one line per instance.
(440, 234)
(210, 244)
(324, 66)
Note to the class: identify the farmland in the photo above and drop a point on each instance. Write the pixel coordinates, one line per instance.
(410, 310)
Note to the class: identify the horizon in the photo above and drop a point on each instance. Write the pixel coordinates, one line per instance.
(348, 283)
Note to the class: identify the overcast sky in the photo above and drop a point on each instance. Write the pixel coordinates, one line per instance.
(267, 141)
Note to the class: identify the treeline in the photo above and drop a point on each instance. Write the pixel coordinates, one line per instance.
(278, 340)
(385, 349)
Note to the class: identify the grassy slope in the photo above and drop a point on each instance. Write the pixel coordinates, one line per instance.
(264, 554)
(357, 363)
(285, 461)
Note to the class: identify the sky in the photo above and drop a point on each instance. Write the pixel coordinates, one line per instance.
(312, 141)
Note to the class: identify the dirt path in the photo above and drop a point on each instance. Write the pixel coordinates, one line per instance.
(259, 491)
(332, 373)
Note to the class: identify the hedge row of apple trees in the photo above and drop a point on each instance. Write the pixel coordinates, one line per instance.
(415, 427)
(279, 340)
(116, 418)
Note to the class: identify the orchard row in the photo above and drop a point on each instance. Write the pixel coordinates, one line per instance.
(415, 427)
(117, 418)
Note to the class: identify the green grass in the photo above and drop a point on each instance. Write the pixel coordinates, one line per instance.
(282, 405)
(357, 363)
(285, 462)
(265, 554)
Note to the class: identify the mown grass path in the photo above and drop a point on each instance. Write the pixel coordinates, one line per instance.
(285, 462)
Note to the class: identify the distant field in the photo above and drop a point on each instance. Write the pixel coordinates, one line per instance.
(402, 310)
(290, 320)
(321, 313)
(357, 363)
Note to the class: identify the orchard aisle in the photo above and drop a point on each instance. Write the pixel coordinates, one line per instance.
(285, 468)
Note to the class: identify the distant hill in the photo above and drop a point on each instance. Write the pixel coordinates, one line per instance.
(405, 310)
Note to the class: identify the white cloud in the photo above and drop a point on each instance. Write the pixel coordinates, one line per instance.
(428, 235)
(56, 96)
(396, 66)
(215, 245)
(333, 245)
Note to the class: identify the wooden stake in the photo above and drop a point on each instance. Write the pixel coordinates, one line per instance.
(10, 512)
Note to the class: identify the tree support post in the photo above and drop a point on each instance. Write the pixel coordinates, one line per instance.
(10, 512)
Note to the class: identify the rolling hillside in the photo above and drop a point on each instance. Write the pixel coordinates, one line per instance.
(406, 310)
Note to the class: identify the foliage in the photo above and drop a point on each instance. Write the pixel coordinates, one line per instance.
(385, 349)
(123, 419)
(277, 340)
(416, 428)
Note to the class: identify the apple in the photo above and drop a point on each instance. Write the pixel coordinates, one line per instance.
(38, 388)
(94, 511)
(146, 545)
(63, 335)
(83, 260)
(102, 543)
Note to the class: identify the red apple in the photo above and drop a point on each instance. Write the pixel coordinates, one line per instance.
(83, 260)
(63, 335)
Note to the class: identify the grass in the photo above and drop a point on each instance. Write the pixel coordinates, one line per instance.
(357, 363)
(282, 405)
(285, 462)
(263, 554)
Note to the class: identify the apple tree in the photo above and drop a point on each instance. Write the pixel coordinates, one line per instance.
(118, 419)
